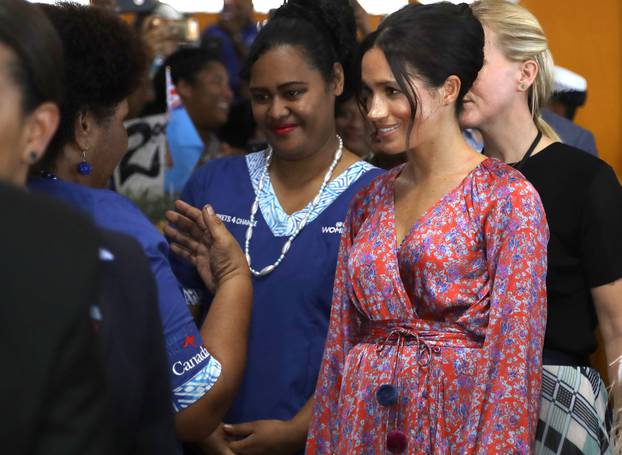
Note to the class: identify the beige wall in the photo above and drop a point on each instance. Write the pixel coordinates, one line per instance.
(586, 37)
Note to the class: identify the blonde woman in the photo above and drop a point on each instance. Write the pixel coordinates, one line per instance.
(583, 203)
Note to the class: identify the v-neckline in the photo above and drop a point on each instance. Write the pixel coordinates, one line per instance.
(427, 213)
(280, 222)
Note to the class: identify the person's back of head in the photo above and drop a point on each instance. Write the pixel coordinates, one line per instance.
(38, 51)
(30, 55)
(569, 92)
(104, 64)
(520, 37)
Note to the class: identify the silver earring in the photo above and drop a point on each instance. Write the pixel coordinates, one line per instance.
(34, 157)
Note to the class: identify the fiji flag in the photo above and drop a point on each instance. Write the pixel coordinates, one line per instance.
(173, 101)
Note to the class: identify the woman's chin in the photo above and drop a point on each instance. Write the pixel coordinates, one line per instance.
(468, 119)
(388, 149)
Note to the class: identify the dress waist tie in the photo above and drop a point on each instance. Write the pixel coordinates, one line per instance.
(429, 337)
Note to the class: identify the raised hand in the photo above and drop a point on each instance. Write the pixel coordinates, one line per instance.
(201, 238)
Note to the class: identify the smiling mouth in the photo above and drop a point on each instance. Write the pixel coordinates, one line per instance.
(385, 131)
(284, 130)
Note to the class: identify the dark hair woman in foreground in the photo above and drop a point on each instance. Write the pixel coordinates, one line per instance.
(439, 308)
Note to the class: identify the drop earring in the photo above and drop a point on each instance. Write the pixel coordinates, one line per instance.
(84, 167)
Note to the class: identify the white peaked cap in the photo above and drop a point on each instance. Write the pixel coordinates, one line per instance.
(567, 81)
(166, 11)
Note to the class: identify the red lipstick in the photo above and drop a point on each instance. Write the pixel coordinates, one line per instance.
(284, 130)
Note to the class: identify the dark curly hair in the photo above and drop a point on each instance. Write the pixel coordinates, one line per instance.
(430, 41)
(324, 29)
(104, 63)
(26, 31)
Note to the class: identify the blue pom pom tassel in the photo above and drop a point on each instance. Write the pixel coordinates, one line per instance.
(386, 395)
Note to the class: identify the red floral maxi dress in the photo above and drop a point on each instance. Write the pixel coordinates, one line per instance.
(434, 346)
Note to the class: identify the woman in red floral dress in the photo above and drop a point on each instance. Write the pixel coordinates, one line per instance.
(439, 308)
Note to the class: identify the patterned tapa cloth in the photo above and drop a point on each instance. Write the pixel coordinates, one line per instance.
(574, 414)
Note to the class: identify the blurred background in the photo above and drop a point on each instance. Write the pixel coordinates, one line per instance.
(584, 36)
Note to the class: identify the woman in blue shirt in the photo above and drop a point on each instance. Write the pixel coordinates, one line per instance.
(286, 206)
(103, 64)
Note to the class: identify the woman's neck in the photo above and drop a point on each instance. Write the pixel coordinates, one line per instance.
(445, 153)
(206, 136)
(509, 135)
(296, 173)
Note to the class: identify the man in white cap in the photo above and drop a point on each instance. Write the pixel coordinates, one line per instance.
(569, 93)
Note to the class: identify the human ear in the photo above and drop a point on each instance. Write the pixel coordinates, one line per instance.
(84, 128)
(528, 72)
(338, 79)
(184, 89)
(41, 126)
(450, 90)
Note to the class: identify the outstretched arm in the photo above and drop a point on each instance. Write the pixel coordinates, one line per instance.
(200, 237)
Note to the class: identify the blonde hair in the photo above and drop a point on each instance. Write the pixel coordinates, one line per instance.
(520, 37)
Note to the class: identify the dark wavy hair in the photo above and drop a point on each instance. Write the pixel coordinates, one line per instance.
(324, 29)
(26, 31)
(104, 63)
(432, 42)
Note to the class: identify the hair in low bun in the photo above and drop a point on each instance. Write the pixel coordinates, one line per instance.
(432, 42)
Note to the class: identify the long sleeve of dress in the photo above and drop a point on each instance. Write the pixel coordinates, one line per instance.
(516, 236)
(342, 332)
(453, 318)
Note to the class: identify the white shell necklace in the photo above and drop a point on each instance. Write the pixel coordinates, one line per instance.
(249, 231)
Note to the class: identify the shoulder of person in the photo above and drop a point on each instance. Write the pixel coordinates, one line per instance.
(48, 244)
(213, 173)
(116, 212)
(129, 273)
(573, 162)
(214, 30)
(219, 168)
(59, 218)
(377, 181)
(501, 186)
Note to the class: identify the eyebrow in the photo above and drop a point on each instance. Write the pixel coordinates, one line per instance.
(384, 82)
(281, 86)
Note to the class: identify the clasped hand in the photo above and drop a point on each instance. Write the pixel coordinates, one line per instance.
(261, 437)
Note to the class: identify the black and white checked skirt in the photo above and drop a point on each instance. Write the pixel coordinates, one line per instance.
(574, 413)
